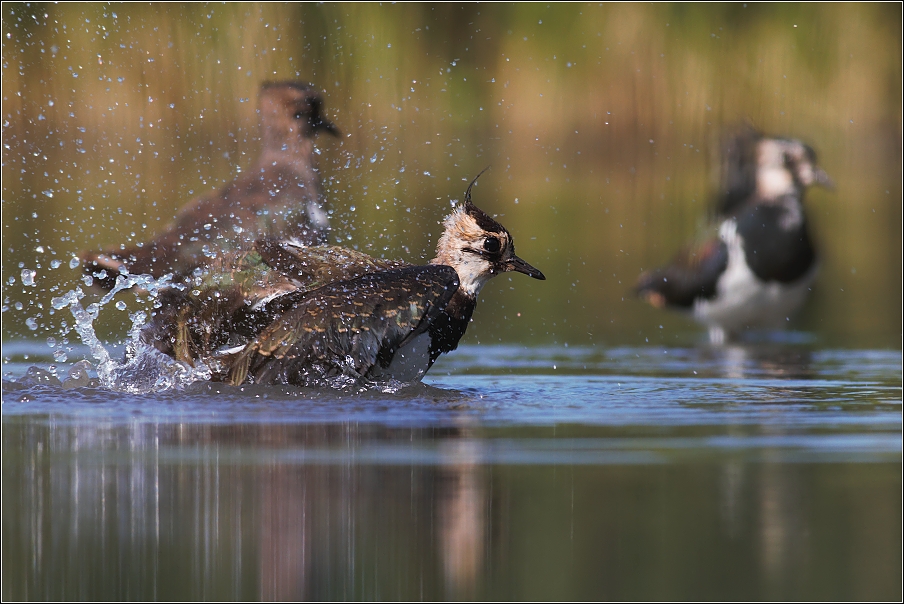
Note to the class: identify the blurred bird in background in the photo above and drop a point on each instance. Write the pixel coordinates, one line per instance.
(280, 196)
(759, 268)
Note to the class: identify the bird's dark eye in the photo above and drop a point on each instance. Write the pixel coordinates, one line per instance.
(491, 244)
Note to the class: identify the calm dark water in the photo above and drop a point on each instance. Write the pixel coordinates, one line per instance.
(754, 472)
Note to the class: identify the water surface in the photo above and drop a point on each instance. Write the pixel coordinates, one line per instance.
(756, 471)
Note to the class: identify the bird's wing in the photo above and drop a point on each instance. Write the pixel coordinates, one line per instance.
(311, 267)
(738, 169)
(692, 274)
(225, 305)
(345, 328)
(240, 293)
(190, 241)
(776, 240)
(216, 223)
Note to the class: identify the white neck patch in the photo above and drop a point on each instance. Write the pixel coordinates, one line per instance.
(461, 235)
(772, 182)
(473, 274)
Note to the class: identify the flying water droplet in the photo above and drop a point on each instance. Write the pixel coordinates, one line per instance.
(78, 376)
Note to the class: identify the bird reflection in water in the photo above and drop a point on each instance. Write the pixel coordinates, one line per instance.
(463, 508)
(758, 360)
(283, 537)
(318, 512)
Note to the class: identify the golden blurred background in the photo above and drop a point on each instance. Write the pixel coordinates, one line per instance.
(601, 124)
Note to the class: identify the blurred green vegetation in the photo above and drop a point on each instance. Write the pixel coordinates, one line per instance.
(600, 123)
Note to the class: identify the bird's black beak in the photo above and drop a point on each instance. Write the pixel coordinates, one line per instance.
(328, 126)
(518, 265)
(823, 180)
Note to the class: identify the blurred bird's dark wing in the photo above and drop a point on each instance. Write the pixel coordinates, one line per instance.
(346, 328)
(692, 274)
(210, 225)
(774, 249)
(738, 169)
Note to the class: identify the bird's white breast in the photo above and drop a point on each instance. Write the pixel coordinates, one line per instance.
(743, 299)
(410, 363)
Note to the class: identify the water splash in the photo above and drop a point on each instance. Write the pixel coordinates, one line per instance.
(144, 369)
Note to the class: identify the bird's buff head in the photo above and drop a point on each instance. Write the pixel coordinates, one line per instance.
(478, 247)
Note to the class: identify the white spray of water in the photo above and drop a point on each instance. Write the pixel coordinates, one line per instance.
(145, 369)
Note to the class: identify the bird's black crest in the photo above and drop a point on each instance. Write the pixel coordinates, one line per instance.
(483, 220)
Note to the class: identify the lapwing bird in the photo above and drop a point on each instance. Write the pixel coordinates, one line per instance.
(321, 315)
(759, 268)
(279, 197)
